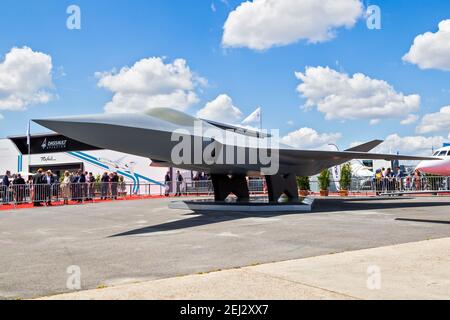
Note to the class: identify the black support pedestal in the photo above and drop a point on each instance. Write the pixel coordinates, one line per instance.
(224, 185)
(279, 184)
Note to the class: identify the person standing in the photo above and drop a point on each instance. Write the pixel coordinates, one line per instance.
(104, 185)
(167, 182)
(49, 180)
(90, 180)
(114, 185)
(379, 181)
(65, 187)
(82, 186)
(417, 181)
(389, 177)
(408, 184)
(38, 188)
(19, 188)
(5, 187)
(74, 186)
(78, 186)
(179, 184)
(399, 179)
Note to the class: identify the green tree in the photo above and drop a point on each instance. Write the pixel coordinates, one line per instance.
(303, 183)
(346, 177)
(324, 180)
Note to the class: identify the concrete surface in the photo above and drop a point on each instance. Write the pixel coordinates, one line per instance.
(133, 241)
(418, 270)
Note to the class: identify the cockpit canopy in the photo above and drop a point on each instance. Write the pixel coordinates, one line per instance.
(442, 153)
(182, 119)
(172, 116)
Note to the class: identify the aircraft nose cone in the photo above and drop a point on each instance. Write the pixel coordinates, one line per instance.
(129, 133)
(61, 126)
(48, 123)
(75, 126)
(430, 167)
(134, 120)
(66, 123)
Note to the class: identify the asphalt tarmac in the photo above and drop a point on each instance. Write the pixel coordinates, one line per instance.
(131, 241)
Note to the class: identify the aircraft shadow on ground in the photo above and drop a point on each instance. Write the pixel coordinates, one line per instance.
(321, 206)
(423, 220)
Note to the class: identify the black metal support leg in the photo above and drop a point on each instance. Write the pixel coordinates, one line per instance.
(279, 184)
(224, 185)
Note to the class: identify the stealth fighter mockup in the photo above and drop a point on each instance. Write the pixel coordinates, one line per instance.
(228, 153)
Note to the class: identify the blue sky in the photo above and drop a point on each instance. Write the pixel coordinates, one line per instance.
(115, 34)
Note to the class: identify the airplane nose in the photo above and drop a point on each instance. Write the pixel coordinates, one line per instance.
(61, 126)
(78, 126)
(429, 167)
(66, 125)
(131, 133)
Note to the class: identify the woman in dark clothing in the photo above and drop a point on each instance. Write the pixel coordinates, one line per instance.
(104, 186)
(19, 188)
(114, 185)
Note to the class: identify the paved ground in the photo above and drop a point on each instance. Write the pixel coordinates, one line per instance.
(127, 242)
(417, 270)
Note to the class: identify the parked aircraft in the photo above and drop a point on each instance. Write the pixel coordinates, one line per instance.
(228, 153)
(439, 167)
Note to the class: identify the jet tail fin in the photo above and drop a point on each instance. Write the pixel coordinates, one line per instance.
(366, 147)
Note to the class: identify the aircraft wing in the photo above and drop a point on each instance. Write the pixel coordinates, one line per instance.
(310, 162)
(292, 156)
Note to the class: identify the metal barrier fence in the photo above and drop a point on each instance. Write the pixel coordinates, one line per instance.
(47, 193)
(425, 184)
(81, 192)
(60, 192)
(255, 186)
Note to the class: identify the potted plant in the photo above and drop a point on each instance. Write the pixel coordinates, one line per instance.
(303, 185)
(324, 183)
(346, 179)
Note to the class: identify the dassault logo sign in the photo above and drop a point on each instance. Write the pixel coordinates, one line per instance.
(51, 145)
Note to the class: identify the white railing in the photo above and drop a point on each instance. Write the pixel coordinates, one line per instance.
(81, 192)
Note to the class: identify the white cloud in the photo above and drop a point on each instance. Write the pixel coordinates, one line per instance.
(221, 109)
(151, 83)
(410, 145)
(25, 79)
(435, 122)
(410, 119)
(307, 138)
(431, 50)
(262, 24)
(342, 97)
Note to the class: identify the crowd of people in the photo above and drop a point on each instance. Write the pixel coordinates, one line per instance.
(199, 180)
(388, 180)
(179, 179)
(43, 186)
